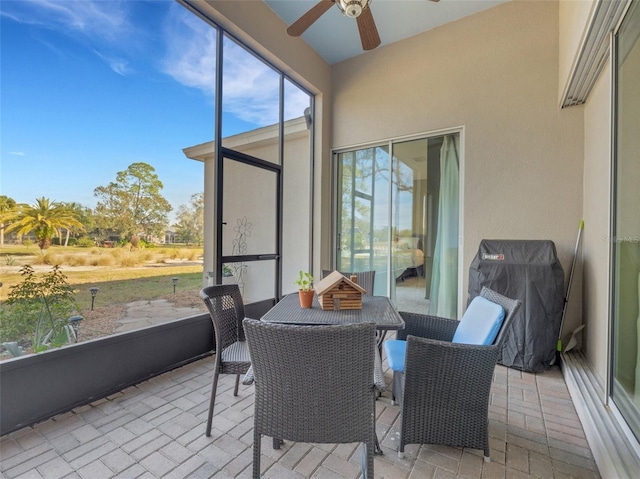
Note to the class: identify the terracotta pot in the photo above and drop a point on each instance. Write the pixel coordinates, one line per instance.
(306, 298)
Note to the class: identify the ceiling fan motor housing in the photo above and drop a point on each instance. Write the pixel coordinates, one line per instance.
(352, 8)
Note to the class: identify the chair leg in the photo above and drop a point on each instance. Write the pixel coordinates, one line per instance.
(235, 390)
(277, 443)
(367, 460)
(487, 457)
(401, 451)
(256, 455)
(214, 387)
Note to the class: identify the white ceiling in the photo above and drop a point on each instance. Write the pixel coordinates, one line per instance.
(335, 36)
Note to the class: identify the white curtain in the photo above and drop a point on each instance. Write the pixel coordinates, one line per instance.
(443, 299)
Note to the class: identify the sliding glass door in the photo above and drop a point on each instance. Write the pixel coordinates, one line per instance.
(626, 229)
(397, 213)
(362, 220)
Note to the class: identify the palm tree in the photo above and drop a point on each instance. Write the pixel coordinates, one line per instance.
(45, 218)
(6, 206)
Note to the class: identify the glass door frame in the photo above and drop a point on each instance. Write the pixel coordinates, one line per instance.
(389, 144)
(233, 155)
(614, 396)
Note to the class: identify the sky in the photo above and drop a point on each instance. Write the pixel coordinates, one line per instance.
(89, 87)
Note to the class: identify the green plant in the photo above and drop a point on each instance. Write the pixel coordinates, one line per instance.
(85, 242)
(304, 281)
(38, 307)
(50, 332)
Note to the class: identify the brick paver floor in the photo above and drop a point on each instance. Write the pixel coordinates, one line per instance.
(156, 430)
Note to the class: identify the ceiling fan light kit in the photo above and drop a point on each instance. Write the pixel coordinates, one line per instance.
(352, 8)
(358, 9)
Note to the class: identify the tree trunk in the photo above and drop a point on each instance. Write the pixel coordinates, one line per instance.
(44, 244)
(135, 239)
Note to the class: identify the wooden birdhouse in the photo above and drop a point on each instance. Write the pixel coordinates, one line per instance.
(339, 292)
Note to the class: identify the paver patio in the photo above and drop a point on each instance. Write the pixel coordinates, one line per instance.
(156, 430)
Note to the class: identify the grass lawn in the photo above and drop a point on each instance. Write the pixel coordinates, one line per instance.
(121, 275)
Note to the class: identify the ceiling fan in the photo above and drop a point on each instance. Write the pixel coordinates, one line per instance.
(358, 9)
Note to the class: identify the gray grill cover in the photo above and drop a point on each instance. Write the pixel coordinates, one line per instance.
(527, 270)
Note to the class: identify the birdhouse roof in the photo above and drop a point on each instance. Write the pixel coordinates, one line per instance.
(334, 279)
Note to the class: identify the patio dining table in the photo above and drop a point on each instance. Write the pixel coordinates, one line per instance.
(375, 309)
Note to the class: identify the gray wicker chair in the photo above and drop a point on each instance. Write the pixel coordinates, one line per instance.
(313, 384)
(444, 391)
(226, 309)
(366, 279)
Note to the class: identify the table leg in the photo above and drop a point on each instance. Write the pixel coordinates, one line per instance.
(377, 450)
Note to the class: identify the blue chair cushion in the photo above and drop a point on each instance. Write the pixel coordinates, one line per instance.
(480, 323)
(396, 350)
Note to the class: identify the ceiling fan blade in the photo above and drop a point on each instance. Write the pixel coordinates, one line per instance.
(368, 30)
(298, 27)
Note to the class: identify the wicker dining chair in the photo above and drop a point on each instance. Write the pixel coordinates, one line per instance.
(444, 389)
(313, 384)
(366, 279)
(226, 309)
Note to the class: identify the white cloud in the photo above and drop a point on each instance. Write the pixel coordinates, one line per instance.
(103, 25)
(107, 20)
(191, 51)
(17, 153)
(250, 88)
(118, 65)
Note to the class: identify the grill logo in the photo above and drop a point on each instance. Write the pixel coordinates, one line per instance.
(493, 257)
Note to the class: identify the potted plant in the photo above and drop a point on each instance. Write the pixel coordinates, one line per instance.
(306, 292)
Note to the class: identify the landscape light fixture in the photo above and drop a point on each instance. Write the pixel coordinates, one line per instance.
(93, 291)
(175, 281)
(74, 321)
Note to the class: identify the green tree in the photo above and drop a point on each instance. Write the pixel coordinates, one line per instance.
(7, 205)
(45, 218)
(190, 225)
(84, 215)
(133, 203)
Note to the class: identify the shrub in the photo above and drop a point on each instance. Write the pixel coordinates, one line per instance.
(103, 260)
(128, 260)
(85, 242)
(75, 260)
(145, 255)
(50, 259)
(38, 307)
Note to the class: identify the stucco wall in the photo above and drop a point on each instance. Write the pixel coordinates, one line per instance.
(597, 153)
(496, 74)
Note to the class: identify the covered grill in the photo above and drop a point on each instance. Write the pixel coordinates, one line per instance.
(527, 270)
